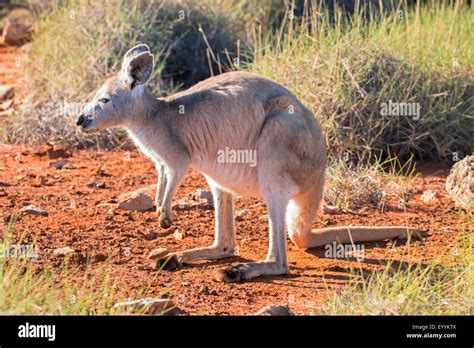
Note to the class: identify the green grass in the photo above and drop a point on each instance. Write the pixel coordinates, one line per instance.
(444, 286)
(79, 43)
(28, 289)
(344, 72)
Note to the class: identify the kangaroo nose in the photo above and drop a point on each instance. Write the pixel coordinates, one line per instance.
(80, 120)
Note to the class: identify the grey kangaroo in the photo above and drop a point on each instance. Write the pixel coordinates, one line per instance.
(239, 111)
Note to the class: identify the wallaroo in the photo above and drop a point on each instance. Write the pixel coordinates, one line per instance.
(235, 110)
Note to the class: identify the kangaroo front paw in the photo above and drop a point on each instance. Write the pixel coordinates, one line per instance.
(165, 222)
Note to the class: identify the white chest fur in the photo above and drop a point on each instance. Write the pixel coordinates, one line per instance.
(142, 141)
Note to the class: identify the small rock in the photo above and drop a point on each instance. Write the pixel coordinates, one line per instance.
(16, 33)
(204, 289)
(100, 185)
(275, 310)
(110, 215)
(146, 306)
(428, 196)
(63, 251)
(157, 254)
(33, 210)
(6, 92)
(91, 183)
(177, 235)
(96, 258)
(151, 235)
(460, 183)
(100, 171)
(136, 201)
(56, 151)
(243, 212)
(331, 209)
(39, 181)
(202, 195)
(239, 215)
(58, 164)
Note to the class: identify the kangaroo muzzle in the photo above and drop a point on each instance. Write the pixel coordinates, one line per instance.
(80, 120)
(84, 122)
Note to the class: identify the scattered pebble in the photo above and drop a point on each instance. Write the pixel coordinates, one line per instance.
(428, 196)
(57, 151)
(63, 251)
(331, 209)
(151, 235)
(136, 201)
(96, 258)
(100, 185)
(202, 195)
(39, 181)
(275, 310)
(91, 183)
(59, 164)
(110, 215)
(33, 210)
(198, 197)
(177, 235)
(204, 289)
(241, 213)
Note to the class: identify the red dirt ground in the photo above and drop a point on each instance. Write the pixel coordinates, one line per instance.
(11, 59)
(77, 219)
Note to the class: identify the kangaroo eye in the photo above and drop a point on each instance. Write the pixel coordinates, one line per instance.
(103, 100)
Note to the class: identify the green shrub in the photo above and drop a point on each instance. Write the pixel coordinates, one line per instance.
(80, 42)
(345, 72)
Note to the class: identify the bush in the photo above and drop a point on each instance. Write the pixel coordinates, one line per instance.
(79, 43)
(348, 72)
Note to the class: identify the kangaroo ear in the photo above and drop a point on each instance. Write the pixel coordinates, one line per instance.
(133, 52)
(138, 69)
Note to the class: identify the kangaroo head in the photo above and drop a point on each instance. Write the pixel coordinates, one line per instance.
(119, 99)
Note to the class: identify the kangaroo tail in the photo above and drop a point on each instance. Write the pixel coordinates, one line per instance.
(300, 215)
